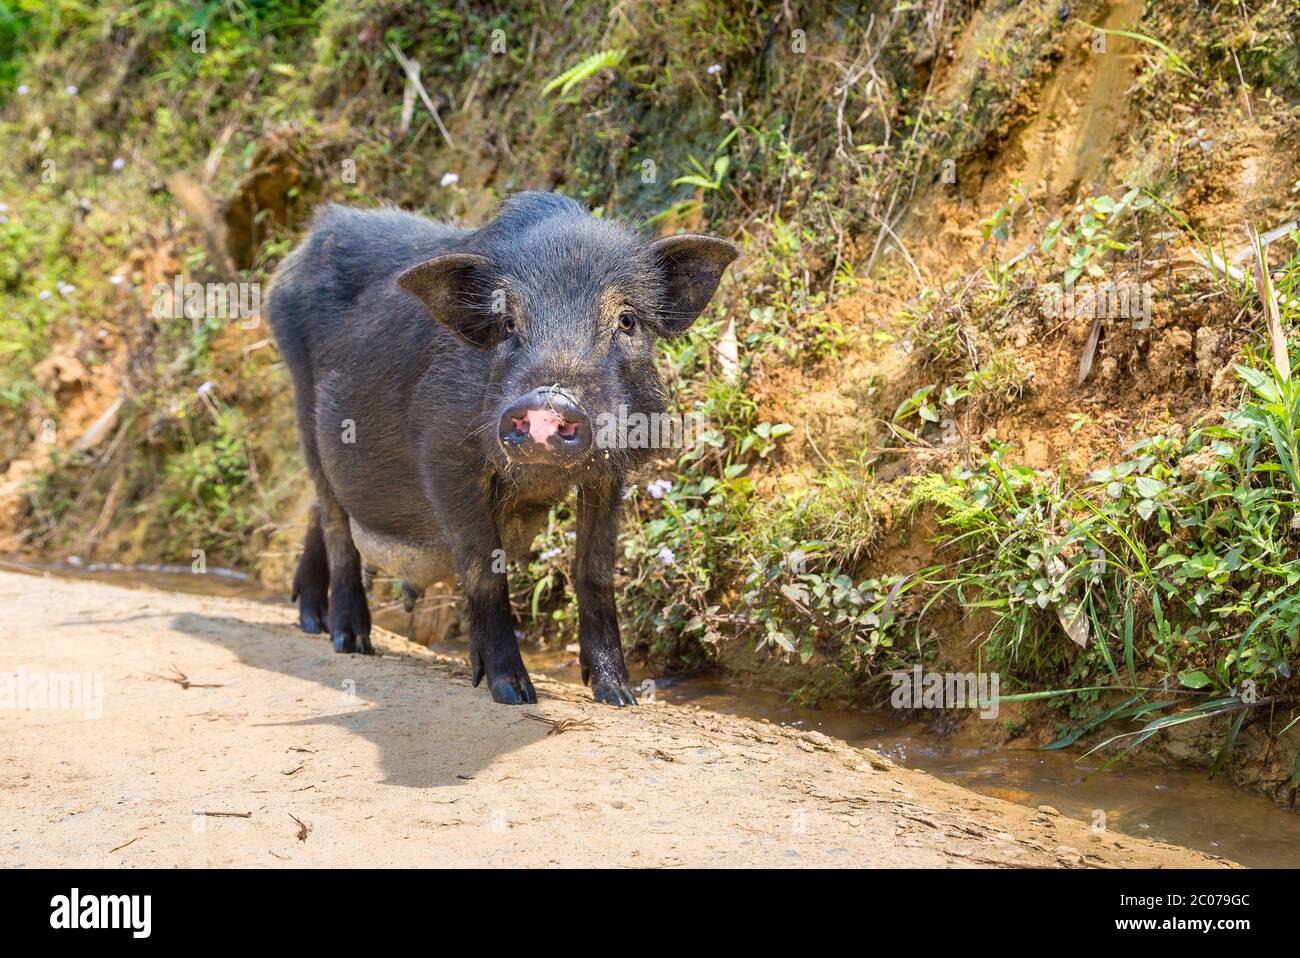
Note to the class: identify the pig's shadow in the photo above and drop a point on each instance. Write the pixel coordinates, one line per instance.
(429, 731)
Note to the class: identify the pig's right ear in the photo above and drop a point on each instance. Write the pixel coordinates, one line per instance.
(456, 289)
(691, 267)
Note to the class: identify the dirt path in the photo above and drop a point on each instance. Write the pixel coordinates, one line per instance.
(396, 761)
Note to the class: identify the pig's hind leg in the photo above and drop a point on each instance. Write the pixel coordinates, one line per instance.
(328, 585)
(311, 582)
(349, 611)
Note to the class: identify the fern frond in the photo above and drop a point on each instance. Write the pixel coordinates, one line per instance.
(585, 69)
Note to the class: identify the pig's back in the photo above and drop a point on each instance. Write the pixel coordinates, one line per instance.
(357, 347)
(358, 249)
(337, 286)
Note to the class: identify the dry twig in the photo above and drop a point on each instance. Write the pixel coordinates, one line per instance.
(183, 680)
(559, 726)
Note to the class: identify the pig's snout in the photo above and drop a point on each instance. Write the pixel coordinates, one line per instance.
(545, 425)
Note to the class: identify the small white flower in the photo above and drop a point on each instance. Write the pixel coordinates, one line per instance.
(666, 556)
(4, 207)
(119, 163)
(206, 388)
(116, 280)
(715, 69)
(44, 294)
(71, 89)
(23, 89)
(450, 179)
(629, 492)
(659, 488)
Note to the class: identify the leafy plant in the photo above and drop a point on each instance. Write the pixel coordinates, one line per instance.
(703, 179)
(1092, 238)
(1181, 559)
(584, 70)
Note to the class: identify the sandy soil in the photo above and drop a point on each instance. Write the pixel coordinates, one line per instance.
(323, 759)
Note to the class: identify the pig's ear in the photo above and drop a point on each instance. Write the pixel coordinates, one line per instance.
(456, 289)
(690, 267)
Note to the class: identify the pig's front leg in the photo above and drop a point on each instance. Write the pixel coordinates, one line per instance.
(601, 650)
(476, 545)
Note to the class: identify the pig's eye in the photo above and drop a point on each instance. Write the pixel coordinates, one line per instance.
(510, 327)
(627, 321)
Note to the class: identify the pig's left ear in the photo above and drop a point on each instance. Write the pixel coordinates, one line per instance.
(455, 288)
(690, 267)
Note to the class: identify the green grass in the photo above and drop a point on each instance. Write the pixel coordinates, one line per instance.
(1177, 567)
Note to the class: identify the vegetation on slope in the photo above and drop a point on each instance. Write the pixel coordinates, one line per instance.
(895, 175)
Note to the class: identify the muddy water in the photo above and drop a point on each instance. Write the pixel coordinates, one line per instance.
(1179, 806)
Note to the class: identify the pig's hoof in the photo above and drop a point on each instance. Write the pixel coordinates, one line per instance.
(513, 691)
(350, 621)
(347, 642)
(613, 693)
(312, 610)
(511, 686)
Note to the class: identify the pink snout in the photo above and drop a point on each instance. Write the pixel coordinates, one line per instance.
(545, 425)
(541, 424)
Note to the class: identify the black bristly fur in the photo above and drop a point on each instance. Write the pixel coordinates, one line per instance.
(397, 325)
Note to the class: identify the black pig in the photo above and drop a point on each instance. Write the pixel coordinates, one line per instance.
(448, 383)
